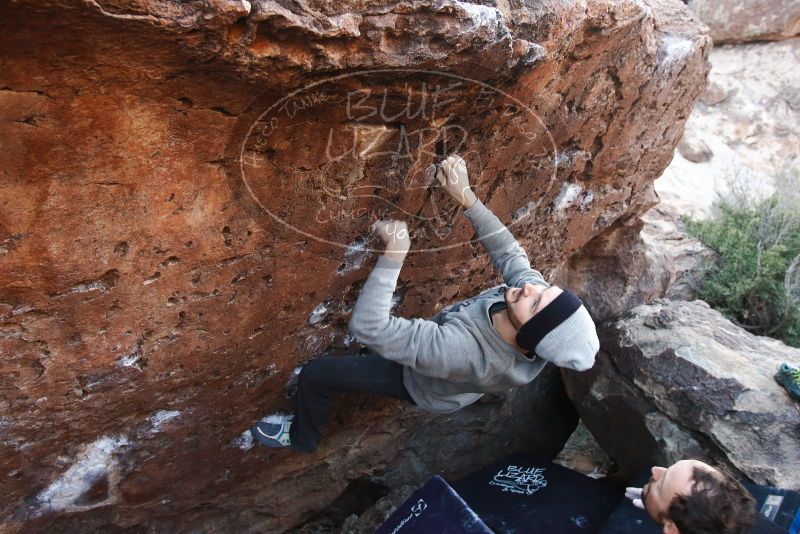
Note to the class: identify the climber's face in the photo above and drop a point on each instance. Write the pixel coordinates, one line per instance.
(665, 484)
(526, 301)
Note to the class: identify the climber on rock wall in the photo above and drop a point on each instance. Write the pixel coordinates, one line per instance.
(497, 340)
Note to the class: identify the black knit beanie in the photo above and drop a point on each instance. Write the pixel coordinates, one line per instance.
(553, 315)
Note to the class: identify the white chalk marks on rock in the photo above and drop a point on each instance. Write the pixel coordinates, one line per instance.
(567, 196)
(159, 420)
(243, 441)
(103, 283)
(89, 482)
(134, 359)
(355, 255)
(320, 311)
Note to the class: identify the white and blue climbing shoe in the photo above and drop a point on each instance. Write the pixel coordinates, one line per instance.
(273, 431)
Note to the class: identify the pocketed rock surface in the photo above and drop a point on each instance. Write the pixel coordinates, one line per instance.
(169, 253)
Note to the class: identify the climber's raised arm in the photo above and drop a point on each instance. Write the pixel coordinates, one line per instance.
(426, 346)
(445, 364)
(505, 252)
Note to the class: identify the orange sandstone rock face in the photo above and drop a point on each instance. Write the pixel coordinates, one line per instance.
(169, 253)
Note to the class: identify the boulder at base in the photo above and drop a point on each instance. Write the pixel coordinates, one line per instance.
(676, 379)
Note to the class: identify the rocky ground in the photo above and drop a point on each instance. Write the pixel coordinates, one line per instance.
(743, 132)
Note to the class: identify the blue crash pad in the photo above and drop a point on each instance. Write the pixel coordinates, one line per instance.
(529, 494)
(781, 507)
(522, 494)
(434, 508)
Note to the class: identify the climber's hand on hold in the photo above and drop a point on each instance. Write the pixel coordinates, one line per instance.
(394, 235)
(635, 495)
(452, 176)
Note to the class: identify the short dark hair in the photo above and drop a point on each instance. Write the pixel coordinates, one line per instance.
(717, 504)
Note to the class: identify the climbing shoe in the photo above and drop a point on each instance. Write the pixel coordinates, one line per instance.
(789, 377)
(273, 431)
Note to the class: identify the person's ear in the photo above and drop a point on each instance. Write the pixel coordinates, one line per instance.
(670, 528)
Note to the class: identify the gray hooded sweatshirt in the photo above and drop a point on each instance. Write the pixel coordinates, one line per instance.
(454, 357)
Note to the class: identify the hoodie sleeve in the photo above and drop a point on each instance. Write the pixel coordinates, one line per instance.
(426, 346)
(506, 254)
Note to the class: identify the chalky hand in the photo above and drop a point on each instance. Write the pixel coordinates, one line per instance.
(635, 495)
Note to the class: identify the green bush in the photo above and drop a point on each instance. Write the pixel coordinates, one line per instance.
(756, 280)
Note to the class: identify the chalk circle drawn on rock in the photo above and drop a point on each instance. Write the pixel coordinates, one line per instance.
(329, 158)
